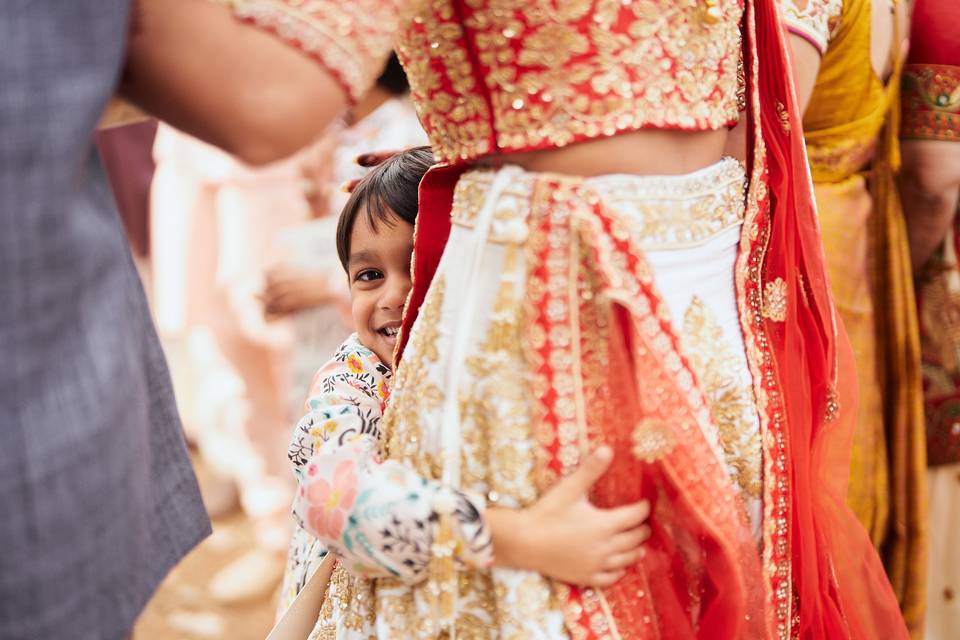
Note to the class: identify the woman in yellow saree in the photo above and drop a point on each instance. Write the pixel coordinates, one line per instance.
(850, 127)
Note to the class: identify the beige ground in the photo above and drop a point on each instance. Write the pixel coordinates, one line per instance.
(183, 609)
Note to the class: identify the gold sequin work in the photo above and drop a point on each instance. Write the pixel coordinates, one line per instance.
(775, 300)
(509, 75)
(731, 401)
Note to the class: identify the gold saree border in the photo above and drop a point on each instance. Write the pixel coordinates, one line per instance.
(749, 276)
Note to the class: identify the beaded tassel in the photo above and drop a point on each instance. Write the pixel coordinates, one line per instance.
(442, 573)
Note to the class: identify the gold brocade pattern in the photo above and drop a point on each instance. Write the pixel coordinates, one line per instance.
(775, 300)
(498, 452)
(731, 404)
(508, 75)
(499, 405)
(404, 409)
(670, 213)
(651, 440)
(451, 106)
(347, 605)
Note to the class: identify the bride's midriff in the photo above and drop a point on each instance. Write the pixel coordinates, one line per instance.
(649, 152)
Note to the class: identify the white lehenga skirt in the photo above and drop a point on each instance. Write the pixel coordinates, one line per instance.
(464, 383)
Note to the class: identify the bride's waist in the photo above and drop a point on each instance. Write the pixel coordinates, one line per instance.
(648, 152)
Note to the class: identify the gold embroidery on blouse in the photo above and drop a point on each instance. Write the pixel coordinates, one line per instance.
(442, 84)
(731, 402)
(549, 74)
(775, 300)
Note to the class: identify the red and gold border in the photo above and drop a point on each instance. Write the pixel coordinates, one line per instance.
(931, 102)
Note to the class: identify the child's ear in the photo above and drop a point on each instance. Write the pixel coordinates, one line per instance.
(374, 158)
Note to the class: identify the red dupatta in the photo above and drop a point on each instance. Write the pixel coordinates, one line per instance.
(819, 576)
(839, 585)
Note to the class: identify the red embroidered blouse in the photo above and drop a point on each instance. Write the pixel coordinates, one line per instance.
(495, 76)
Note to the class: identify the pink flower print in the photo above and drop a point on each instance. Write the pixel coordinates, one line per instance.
(330, 501)
(354, 364)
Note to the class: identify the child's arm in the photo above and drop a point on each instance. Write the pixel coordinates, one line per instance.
(377, 517)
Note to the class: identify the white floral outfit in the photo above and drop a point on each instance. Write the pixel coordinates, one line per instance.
(377, 517)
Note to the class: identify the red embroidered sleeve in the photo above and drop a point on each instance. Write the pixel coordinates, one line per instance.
(350, 38)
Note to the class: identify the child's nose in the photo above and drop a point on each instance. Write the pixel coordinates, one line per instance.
(395, 293)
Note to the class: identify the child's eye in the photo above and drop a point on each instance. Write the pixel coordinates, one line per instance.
(368, 275)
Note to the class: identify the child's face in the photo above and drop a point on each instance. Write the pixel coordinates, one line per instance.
(379, 274)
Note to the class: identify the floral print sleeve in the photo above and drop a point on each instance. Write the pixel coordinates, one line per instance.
(377, 517)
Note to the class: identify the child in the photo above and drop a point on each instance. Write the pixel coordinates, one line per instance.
(338, 438)
(381, 519)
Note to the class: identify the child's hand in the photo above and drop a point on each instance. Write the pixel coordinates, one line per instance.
(565, 537)
(290, 289)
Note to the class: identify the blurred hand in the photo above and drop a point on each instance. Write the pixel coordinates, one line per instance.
(290, 289)
(565, 537)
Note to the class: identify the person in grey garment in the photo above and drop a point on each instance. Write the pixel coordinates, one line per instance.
(97, 497)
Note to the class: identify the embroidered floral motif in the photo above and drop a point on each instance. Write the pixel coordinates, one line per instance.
(833, 404)
(931, 102)
(784, 116)
(731, 403)
(775, 300)
(651, 440)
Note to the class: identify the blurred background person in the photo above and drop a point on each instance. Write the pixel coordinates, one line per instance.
(848, 58)
(930, 185)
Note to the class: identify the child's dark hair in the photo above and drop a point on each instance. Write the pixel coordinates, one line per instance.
(393, 79)
(389, 189)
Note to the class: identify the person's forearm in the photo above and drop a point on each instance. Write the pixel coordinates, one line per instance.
(192, 64)
(806, 65)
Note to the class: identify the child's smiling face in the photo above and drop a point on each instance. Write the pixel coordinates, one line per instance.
(379, 274)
